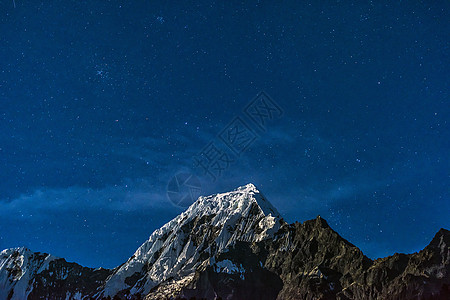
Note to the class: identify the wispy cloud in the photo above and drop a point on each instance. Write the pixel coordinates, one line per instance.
(130, 196)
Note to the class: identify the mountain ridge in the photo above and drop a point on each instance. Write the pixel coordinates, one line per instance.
(230, 245)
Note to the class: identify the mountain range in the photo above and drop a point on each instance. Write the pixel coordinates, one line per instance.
(235, 245)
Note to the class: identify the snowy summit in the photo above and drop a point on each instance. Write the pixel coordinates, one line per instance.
(207, 227)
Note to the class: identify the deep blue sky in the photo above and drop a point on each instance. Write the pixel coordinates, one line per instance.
(102, 102)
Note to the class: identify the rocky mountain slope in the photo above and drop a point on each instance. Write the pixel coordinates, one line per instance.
(235, 245)
(311, 261)
(33, 275)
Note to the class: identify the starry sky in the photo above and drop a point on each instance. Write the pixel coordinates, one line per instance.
(102, 103)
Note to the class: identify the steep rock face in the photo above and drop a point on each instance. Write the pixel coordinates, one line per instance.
(422, 275)
(236, 274)
(302, 261)
(33, 275)
(311, 261)
(18, 267)
(206, 228)
(64, 280)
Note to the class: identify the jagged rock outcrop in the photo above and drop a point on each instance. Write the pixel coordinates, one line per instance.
(314, 261)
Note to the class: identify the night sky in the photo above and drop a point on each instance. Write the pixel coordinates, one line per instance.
(103, 102)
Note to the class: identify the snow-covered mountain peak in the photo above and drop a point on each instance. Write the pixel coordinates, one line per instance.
(17, 266)
(248, 187)
(234, 202)
(208, 226)
(20, 250)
